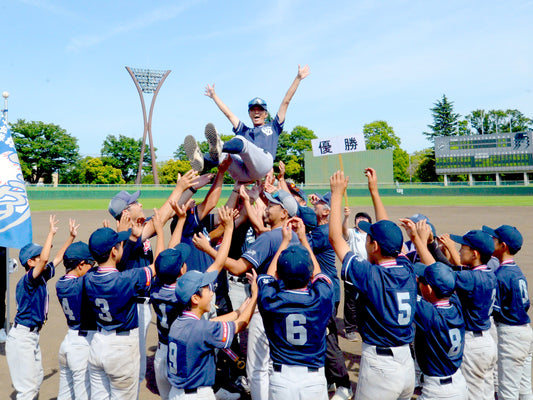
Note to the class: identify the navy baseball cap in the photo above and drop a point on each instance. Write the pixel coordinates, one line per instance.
(76, 253)
(477, 240)
(169, 262)
(386, 233)
(295, 266)
(104, 239)
(297, 191)
(308, 216)
(439, 276)
(121, 200)
(508, 234)
(324, 198)
(191, 281)
(28, 252)
(285, 200)
(420, 217)
(256, 101)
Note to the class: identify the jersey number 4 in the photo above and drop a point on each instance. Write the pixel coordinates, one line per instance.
(296, 332)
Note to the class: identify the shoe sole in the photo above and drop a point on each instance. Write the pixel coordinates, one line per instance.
(193, 153)
(213, 139)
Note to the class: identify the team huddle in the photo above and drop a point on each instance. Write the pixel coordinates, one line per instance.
(246, 295)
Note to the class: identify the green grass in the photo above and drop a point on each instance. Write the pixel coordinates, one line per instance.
(512, 201)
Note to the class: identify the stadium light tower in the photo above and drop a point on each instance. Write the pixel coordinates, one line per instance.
(147, 81)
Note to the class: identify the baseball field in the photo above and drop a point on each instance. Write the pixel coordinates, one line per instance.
(448, 214)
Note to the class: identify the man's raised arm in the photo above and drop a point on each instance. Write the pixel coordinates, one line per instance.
(210, 92)
(302, 73)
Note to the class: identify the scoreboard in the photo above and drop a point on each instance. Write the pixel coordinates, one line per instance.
(478, 154)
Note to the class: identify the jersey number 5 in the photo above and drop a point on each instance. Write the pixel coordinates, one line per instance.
(404, 308)
(296, 332)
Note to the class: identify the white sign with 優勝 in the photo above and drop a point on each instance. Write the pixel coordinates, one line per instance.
(338, 145)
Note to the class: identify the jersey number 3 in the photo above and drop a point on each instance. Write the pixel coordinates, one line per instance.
(296, 332)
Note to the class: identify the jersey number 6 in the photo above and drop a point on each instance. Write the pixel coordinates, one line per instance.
(296, 332)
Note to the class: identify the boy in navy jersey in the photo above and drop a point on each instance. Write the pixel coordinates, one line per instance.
(114, 356)
(296, 310)
(23, 353)
(387, 287)
(476, 288)
(440, 332)
(192, 340)
(515, 339)
(74, 381)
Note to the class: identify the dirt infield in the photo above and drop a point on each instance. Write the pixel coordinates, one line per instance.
(448, 219)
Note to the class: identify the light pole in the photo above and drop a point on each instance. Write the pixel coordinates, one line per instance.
(147, 81)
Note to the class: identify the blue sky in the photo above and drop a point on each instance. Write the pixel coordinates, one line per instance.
(63, 63)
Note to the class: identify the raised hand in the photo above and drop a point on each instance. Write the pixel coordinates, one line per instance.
(125, 221)
(187, 180)
(424, 231)
(201, 242)
(303, 71)
(202, 180)
(226, 162)
(338, 183)
(72, 227)
(243, 193)
(281, 169)
(347, 212)
(372, 178)
(226, 216)
(210, 90)
(409, 226)
(53, 224)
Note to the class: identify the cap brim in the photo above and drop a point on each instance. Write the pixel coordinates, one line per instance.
(489, 231)
(272, 199)
(459, 239)
(124, 235)
(208, 278)
(365, 227)
(134, 196)
(420, 268)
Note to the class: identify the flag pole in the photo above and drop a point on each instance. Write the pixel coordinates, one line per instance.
(345, 192)
(7, 320)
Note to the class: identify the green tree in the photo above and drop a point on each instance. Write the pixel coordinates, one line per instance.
(168, 170)
(94, 171)
(516, 122)
(43, 149)
(379, 135)
(426, 171)
(124, 152)
(291, 150)
(445, 121)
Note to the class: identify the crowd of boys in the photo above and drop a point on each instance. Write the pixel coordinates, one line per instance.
(264, 264)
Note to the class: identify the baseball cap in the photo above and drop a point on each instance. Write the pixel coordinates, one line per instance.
(386, 233)
(477, 240)
(508, 234)
(439, 276)
(256, 101)
(28, 252)
(104, 239)
(191, 281)
(120, 201)
(297, 191)
(295, 266)
(169, 262)
(76, 253)
(285, 200)
(308, 216)
(420, 217)
(324, 198)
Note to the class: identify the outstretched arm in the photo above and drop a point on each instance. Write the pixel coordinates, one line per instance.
(212, 197)
(226, 216)
(286, 231)
(379, 208)
(210, 92)
(345, 228)
(419, 233)
(338, 185)
(73, 230)
(302, 73)
(45, 252)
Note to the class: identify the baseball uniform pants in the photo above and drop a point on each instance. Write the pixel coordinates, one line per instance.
(385, 373)
(449, 387)
(161, 369)
(479, 360)
(515, 345)
(114, 365)
(297, 383)
(251, 164)
(258, 363)
(202, 393)
(74, 379)
(23, 355)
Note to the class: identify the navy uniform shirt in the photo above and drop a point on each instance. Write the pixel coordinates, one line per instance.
(439, 337)
(112, 296)
(476, 289)
(191, 350)
(261, 252)
(296, 320)
(319, 241)
(74, 304)
(166, 307)
(387, 299)
(32, 297)
(512, 298)
(197, 260)
(136, 254)
(265, 136)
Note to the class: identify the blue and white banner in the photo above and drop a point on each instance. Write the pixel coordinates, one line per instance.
(15, 218)
(338, 145)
